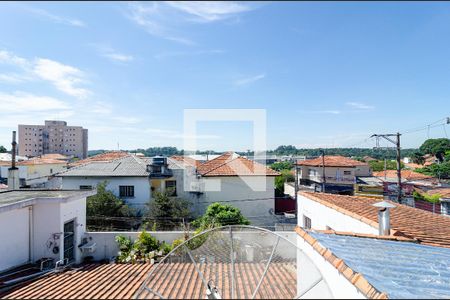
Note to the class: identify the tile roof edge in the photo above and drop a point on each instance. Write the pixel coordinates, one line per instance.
(398, 238)
(342, 210)
(356, 279)
(220, 165)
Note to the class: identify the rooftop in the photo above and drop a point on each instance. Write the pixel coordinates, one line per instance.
(381, 267)
(424, 226)
(122, 281)
(232, 164)
(331, 161)
(407, 175)
(128, 166)
(40, 161)
(26, 197)
(105, 157)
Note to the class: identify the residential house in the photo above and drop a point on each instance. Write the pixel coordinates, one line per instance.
(35, 172)
(331, 174)
(41, 224)
(127, 177)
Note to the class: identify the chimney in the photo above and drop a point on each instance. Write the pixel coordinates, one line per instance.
(384, 217)
(13, 172)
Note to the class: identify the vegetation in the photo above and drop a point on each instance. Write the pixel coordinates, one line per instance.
(282, 165)
(286, 176)
(3, 149)
(105, 203)
(217, 215)
(441, 170)
(143, 249)
(425, 197)
(166, 211)
(378, 165)
(436, 147)
(417, 158)
(103, 207)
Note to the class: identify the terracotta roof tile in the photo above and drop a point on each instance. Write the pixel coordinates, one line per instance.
(105, 157)
(406, 174)
(122, 281)
(331, 161)
(40, 161)
(406, 221)
(187, 160)
(231, 164)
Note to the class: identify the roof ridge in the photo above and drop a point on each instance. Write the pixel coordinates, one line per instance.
(226, 162)
(355, 278)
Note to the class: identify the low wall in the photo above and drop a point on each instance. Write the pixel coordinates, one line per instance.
(106, 246)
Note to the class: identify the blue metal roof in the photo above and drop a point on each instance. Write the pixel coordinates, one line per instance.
(401, 269)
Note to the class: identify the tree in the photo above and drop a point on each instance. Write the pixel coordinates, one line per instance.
(378, 165)
(166, 211)
(286, 176)
(417, 158)
(441, 170)
(217, 215)
(436, 147)
(105, 203)
(3, 149)
(281, 165)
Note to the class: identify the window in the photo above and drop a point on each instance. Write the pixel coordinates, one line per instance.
(156, 169)
(347, 172)
(312, 172)
(171, 187)
(85, 187)
(126, 191)
(306, 222)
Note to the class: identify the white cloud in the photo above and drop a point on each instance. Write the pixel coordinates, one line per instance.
(360, 106)
(101, 108)
(165, 19)
(119, 57)
(248, 80)
(64, 77)
(22, 102)
(56, 18)
(209, 11)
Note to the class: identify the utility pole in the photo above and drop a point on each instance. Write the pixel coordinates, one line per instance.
(396, 142)
(323, 171)
(296, 188)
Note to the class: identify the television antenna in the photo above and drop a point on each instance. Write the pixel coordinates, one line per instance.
(235, 262)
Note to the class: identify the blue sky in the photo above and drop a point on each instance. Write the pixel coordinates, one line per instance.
(328, 74)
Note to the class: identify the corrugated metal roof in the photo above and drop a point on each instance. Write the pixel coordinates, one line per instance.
(401, 269)
(125, 166)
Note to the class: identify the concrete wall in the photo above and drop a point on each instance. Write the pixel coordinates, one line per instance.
(235, 191)
(322, 216)
(141, 185)
(14, 236)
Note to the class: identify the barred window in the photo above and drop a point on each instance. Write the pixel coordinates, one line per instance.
(171, 186)
(306, 222)
(126, 190)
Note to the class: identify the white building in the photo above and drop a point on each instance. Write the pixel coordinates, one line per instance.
(127, 177)
(41, 224)
(340, 173)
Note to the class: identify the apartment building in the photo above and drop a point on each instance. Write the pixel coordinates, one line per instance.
(54, 137)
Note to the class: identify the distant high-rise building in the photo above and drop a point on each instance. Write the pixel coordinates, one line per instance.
(53, 137)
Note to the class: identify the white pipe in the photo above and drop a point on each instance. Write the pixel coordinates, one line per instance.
(30, 235)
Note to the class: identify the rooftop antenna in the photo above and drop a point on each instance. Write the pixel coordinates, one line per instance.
(234, 262)
(13, 172)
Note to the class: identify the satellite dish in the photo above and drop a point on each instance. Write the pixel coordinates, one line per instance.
(234, 262)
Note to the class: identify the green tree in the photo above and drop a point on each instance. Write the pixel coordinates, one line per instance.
(3, 149)
(378, 165)
(441, 170)
(281, 165)
(286, 176)
(105, 203)
(220, 215)
(417, 158)
(436, 147)
(167, 212)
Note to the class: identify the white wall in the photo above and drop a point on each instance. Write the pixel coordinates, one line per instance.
(14, 237)
(141, 185)
(322, 216)
(46, 222)
(234, 189)
(75, 210)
